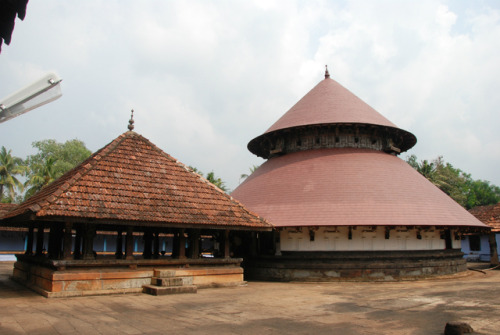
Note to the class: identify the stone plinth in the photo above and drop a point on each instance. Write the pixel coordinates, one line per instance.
(356, 266)
(56, 278)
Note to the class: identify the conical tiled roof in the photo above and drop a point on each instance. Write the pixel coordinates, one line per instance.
(347, 187)
(332, 162)
(329, 104)
(131, 181)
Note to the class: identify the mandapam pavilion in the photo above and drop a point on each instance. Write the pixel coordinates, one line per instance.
(127, 188)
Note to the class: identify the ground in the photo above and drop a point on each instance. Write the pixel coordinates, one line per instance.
(416, 307)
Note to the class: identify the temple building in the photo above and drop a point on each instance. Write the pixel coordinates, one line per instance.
(484, 247)
(344, 205)
(130, 189)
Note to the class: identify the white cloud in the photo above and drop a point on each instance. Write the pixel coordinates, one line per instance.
(207, 77)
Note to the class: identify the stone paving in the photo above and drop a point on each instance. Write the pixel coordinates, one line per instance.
(418, 307)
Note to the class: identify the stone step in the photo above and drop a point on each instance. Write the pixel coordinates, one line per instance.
(172, 281)
(164, 290)
(164, 273)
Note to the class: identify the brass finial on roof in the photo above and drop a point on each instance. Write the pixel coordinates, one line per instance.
(327, 74)
(131, 121)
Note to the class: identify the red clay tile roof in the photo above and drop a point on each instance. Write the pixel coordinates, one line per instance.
(489, 215)
(5, 208)
(339, 187)
(131, 181)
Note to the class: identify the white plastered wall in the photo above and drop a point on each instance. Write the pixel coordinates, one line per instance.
(363, 238)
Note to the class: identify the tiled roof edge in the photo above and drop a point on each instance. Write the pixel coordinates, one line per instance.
(50, 193)
(203, 179)
(83, 168)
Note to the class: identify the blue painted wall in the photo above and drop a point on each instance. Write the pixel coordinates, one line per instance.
(15, 242)
(482, 255)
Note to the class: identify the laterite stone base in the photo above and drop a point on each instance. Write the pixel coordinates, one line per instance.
(164, 290)
(83, 281)
(356, 265)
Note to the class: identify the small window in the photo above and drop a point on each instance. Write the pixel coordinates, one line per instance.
(475, 243)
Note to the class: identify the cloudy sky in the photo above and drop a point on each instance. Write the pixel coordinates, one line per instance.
(205, 77)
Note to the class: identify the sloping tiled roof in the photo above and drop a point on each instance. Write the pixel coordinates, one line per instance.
(5, 208)
(342, 187)
(489, 215)
(131, 181)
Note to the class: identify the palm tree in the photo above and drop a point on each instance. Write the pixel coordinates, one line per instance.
(9, 167)
(41, 176)
(216, 181)
(212, 179)
(426, 169)
(452, 181)
(252, 170)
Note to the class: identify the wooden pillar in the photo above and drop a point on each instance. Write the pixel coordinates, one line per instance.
(194, 237)
(119, 245)
(67, 240)
(226, 244)
(493, 249)
(276, 247)
(175, 245)
(29, 243)
(77, 251)
(50, 243)
(156, 245)
(447, 239)
(39, 239)
(88, 241)
(148, 241)
(253, 244)
(129, 243)
(277, 243)
(182, 245)
(55, 240)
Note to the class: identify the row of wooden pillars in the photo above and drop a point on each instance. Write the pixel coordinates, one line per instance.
(60, 243)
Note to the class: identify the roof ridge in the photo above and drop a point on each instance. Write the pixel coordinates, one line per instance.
(50, 193)
(203, 179)
(87, 165)
(132, 179)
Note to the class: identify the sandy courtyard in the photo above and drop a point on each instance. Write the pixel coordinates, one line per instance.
(419, 307)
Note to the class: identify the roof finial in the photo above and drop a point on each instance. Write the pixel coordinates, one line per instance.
(131, 122)
(327, 75)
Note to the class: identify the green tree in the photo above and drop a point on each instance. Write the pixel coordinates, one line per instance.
(195, 170)
(425, 168)
(452, 181)
(456, 183)
(481, 193)
(252, 170)
(66, 155)
(40, 176)
(10, 166)
(52, 161)
(212, 178)
(216, 181)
